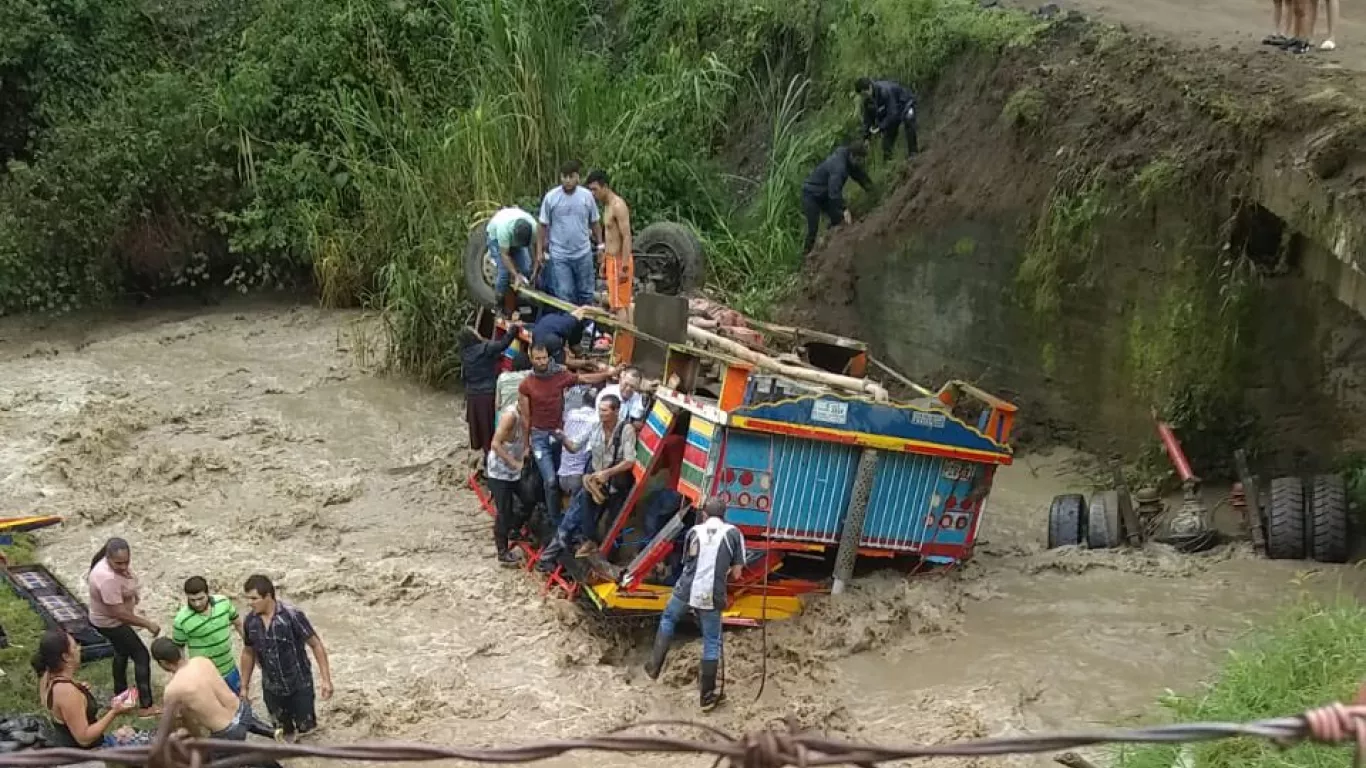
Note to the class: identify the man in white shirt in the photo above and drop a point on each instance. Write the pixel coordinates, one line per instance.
(628, 392)
(714, 551)
(579, 423)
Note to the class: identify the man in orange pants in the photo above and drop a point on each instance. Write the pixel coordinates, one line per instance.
(618, 262)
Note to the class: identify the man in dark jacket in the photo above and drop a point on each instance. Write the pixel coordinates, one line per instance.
(823, 190)
(887, 105)
(563, 331)
(479, 369)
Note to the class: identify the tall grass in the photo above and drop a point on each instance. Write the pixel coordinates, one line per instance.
(1313, 654)
(523, 85)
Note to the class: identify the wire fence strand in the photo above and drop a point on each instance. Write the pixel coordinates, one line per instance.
(773, 747)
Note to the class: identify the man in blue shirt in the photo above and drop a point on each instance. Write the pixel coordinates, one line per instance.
(568, 215)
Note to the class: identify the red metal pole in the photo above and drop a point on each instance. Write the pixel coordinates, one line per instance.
(1173, 446)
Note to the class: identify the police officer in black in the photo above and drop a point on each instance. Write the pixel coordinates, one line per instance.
(887, 105)
(823, 190)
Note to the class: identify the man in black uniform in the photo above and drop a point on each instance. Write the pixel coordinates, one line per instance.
(887, 104)
(823, 190)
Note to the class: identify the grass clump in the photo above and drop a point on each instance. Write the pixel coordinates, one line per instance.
(1312, 654)
(1024, 109)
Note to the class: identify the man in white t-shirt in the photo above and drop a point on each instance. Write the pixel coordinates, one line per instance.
(628, 392)
(579, 423)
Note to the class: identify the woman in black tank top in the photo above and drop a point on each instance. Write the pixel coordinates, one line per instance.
(70, 704)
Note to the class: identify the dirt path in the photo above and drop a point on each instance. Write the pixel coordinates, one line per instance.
(253, 439)
(1240, 24)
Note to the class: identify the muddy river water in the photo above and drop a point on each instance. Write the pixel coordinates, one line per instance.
(257, 437)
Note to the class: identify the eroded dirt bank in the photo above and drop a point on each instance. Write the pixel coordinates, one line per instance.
(252, 438)
(1103, 222)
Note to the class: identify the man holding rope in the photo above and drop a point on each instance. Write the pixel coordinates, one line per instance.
(713, 551)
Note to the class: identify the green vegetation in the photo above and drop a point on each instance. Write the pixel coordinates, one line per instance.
(1025, 108)
(1313, 654)
(216, 147)
(1184, 347)
(19, 686)
(1065, 237)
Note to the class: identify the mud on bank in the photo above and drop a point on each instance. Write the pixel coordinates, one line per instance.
(253, 438)
(1103, 222)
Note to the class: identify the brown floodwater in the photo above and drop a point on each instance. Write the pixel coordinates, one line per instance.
(259, 437)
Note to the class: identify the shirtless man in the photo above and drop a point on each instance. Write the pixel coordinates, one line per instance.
(618, 262)
(206, 705)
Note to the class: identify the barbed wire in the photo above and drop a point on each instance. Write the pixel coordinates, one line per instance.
(771, 747)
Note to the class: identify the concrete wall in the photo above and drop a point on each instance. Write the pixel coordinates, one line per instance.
(948, 304)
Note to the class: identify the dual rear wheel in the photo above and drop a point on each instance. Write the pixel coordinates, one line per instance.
(1072, 522)
(1303, 518)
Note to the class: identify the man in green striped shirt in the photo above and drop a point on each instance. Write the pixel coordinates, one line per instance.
(204, 628)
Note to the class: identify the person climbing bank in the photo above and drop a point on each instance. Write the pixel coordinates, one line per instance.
(887, 107)
(714, 551)
(823, 190)
(205, 705)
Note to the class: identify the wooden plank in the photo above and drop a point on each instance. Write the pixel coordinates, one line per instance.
(798, 335)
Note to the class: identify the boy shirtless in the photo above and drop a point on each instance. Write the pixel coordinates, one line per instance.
(618, 262)
(206, 705)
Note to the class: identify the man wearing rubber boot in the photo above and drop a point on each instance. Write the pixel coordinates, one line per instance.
(887, 106)
(713, 551)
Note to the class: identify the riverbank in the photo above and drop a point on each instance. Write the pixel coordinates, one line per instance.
(1314, 653)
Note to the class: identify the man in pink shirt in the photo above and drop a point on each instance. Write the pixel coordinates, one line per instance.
(113, 596)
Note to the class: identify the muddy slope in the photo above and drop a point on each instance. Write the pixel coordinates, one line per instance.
(256, 438)
(1084, 234)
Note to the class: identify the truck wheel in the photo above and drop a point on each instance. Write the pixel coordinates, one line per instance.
(1285, 520)
(1102, 526)
(1327, 520)
(1066, 520)
(480, 271)
(669, 259)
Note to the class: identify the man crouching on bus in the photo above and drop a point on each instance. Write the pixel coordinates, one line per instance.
(713, 551)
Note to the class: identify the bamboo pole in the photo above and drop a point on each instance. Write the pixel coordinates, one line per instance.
(887, 369)
(825, 378)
